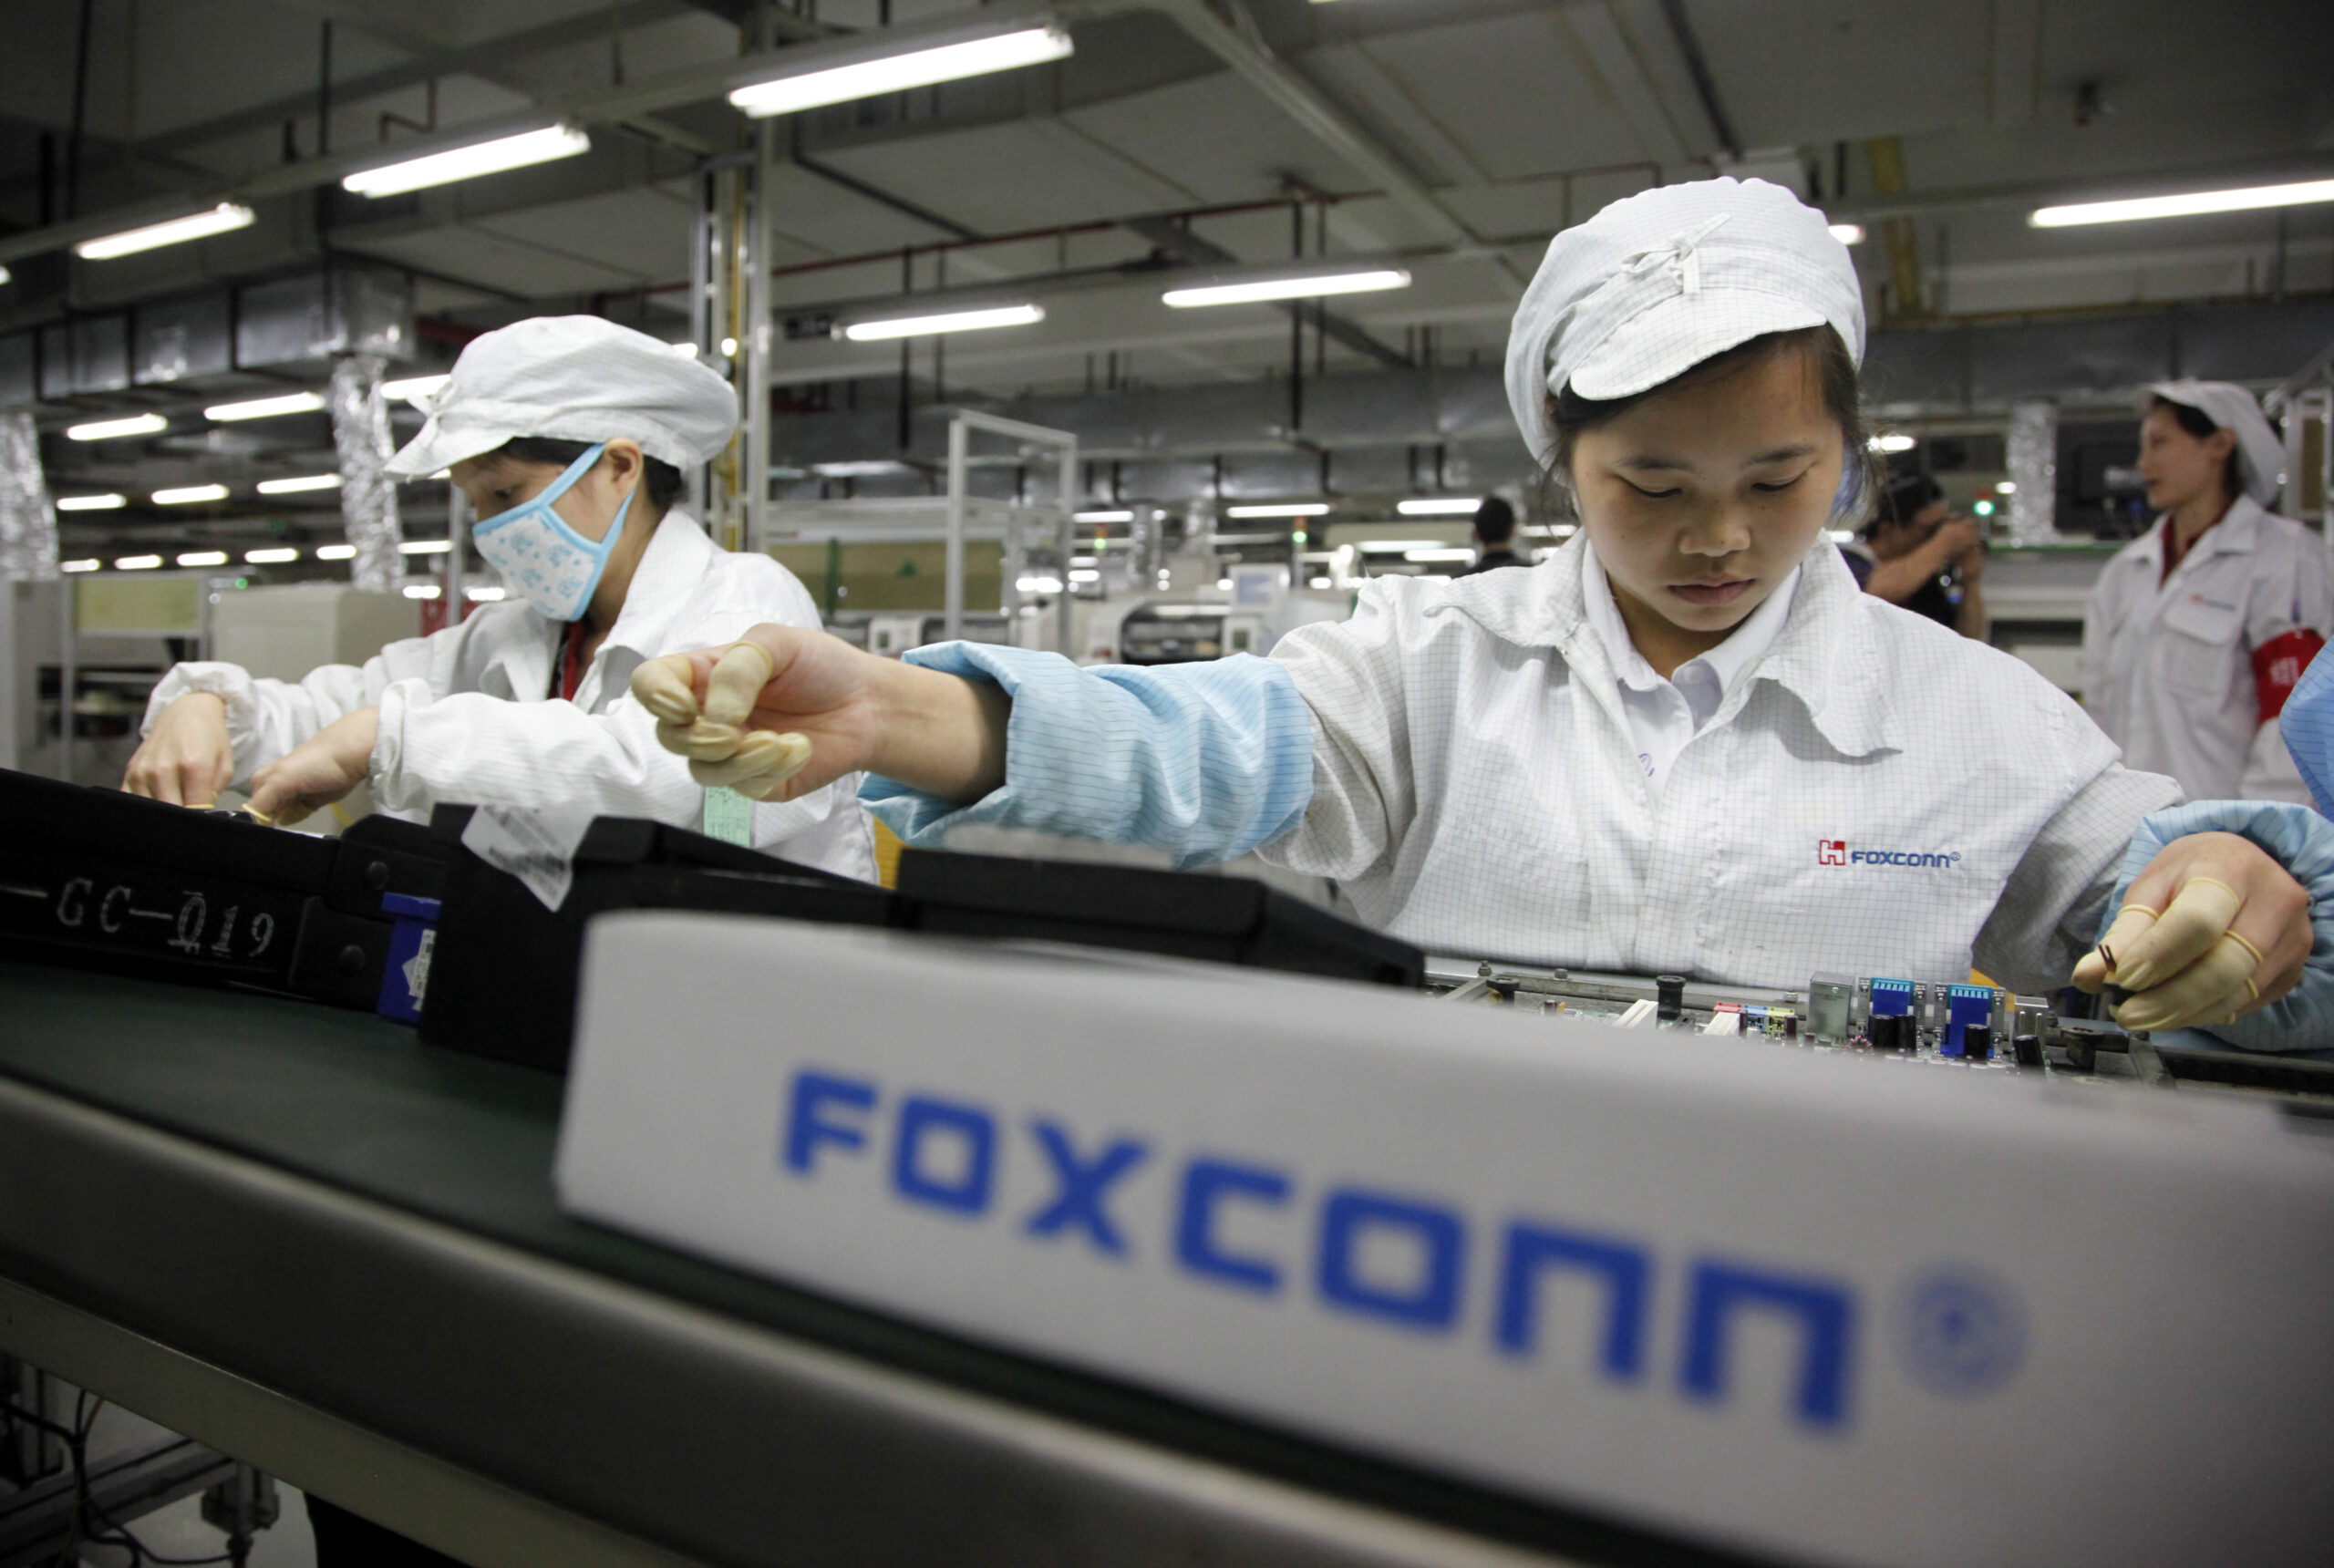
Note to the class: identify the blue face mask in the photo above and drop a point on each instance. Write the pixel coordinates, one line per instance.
(544, 560)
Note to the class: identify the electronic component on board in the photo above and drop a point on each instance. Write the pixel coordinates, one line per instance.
(1965, 1006)
(1894, 998)
(1977, 1043)
(2029, 1050)
(1831, 1008)
(1670, 997)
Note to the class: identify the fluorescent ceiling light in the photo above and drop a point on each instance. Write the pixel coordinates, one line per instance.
(1439, 506)
(859, 469)
(90, 502)
(204, 557)
(485, 593)
(951, 321)
(425, 547)
(1444, 552)
(1101, 517)
(188, 494)
(271, 557)
(335, 551)
(1037, 584)
(896, 72)
(2005, 487)
(294, 486)
(1375, 546)
(107, 429)
(81, 565)
(220, 220)
(467, 162)
(266, 407)
(422, 590)
(1359, 282)
(1085, 574)
(1847, 233)
(2186, 206)
(137, 563)
(413, 389)
(1893, 443)
(1281, 509)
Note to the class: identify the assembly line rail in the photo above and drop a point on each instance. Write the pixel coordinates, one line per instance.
(303, 1238)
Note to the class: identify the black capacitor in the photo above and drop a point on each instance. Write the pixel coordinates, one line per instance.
(1901, 1036)
(1977, 1043)
(1790, 1026)
(2030, 1050)
(1883, 1032)
(1669, 998)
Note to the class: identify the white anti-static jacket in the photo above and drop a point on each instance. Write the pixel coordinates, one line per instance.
(465, 716)
(2168, 663)
(1874, 794)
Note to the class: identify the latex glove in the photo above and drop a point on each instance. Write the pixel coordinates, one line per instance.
(187, 758)
(319, 770)
(740, 725)
(2224, 918)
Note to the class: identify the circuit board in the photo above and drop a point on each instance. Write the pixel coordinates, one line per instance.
(1965, 1027)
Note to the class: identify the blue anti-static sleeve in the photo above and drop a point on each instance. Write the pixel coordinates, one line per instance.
(2302, 841)
(2307, 725)
(1203, 760)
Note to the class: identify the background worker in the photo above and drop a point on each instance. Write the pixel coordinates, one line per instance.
(1917, 555)
(2198, 630)
(1494, 537)
(569, 435)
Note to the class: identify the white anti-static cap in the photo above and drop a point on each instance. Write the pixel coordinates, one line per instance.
(2261, 457)
(1659, 281)
(573, 378)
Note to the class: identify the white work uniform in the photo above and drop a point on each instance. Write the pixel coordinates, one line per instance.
(1872, 795)
(465, 716)
(2167, 661)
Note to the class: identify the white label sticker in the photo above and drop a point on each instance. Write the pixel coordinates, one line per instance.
(536, 847)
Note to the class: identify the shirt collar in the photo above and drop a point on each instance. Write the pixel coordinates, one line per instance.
(677, 558)
(1725, 662)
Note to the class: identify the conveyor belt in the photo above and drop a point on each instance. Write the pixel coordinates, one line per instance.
(316, 1203)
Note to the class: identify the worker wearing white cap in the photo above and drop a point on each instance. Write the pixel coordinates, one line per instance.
(2198, 630)
(570, 436)
(1686, 742)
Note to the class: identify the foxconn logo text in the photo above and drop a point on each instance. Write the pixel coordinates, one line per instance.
(1835, 852)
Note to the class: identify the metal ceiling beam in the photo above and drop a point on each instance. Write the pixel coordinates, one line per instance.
(1682, 28)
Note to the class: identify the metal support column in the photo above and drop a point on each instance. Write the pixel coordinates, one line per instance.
(458, 533)
(951, 625)
(701, 332)
(755, 343)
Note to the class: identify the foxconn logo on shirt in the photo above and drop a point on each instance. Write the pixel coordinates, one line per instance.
(1835, 852)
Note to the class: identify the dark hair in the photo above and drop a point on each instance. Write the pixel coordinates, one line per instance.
(661, 478)
(1494, 521)
(2199, 424)
(1836, 372)
(1901, 498)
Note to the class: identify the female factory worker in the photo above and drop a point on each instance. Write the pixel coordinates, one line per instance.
(1685, 742)
(569, 436)
(2197, 631)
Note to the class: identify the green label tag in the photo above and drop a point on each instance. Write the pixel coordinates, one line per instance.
(729, 816)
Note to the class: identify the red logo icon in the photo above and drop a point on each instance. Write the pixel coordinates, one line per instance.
(1830, 851)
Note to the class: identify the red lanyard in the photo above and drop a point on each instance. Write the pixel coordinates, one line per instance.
(571, 663)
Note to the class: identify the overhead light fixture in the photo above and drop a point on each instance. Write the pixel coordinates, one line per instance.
(1439, 506)
(2192, 204)
(276, 557)
(898, 71)
(528, 147)
(1300, 285)
(335, 551)
(422, 591)
(1893, 443)
(1399, 546)
(294, 486)
(425, 547)
(222, 219)
(188, 495)
(2005, 487)
(1281, 509)
(204, 557)
(266, 407)
(413, 389)
(1847, 233)
(79, 565)
(107, 429)
(1101, 517)
(90, 502)
(946, 321)
(485, 593)
(1037, 584)
(137, 563)
(1441, 553)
